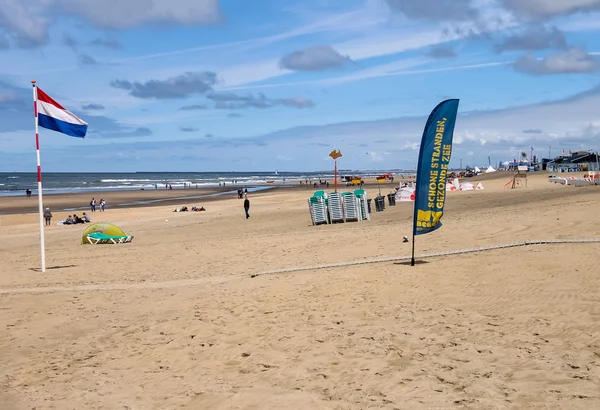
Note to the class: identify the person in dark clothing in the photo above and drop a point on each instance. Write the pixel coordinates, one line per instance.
(247, 207)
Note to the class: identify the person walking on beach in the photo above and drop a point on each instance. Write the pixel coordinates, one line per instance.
(247, 206)
(47, 215)
(102, 204)
(93, 205)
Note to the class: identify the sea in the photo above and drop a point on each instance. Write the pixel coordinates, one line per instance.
(15, 183)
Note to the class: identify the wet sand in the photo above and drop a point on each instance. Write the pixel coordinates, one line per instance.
(148, 197)
(125, 198)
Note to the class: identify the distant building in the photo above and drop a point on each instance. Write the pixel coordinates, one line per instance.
(576, 161)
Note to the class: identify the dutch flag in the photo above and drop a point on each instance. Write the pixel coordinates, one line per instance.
(53, 116)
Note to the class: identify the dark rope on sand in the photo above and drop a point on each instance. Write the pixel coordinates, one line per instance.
(201, 281)
(428, 255)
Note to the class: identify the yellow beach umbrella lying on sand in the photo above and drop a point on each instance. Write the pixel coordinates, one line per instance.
(102, 227)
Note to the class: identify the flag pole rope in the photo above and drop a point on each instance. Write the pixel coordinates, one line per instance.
(429, 255)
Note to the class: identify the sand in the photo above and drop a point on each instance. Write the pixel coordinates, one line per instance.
(176, 320)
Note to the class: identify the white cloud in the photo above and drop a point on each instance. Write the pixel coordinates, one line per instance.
(393, 69)
(378, 156)
(572, 61)
(586, 22)
(118, 14)
(387, 43)
(344, 23)
(250, 72)
(549, 8)
(573, 122)
(483, 133)
(28, 22)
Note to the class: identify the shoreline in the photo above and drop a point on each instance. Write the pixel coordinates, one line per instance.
(75, 202)
(16, 184)
(122, 199)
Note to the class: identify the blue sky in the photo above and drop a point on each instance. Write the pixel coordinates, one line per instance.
(231, 85)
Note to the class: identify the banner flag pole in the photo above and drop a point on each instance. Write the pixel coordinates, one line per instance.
(39, 177)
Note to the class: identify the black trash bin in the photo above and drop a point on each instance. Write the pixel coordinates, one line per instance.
(369, 204)
(379, 203)
(392, 199)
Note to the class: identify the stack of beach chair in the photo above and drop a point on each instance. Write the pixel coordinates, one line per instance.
(361, 195)
(336, 208)
(344, 207)
(317, 205)
(351, 207)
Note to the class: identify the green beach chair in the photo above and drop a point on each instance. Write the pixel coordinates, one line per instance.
(321, 194)
(318, 210)
(98, 237)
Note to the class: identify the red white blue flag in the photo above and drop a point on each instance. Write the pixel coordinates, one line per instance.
(53, 116)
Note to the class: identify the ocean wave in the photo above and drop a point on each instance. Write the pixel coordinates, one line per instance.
(129, 180)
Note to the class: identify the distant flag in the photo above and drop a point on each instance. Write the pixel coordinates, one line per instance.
(53, 116)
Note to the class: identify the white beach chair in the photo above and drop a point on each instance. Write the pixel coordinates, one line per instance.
(361, 194)
(318, 210)
(351, 207)
(336, 208)
(96, 238)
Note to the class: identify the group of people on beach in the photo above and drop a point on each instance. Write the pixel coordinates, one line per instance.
(71, 219)
(93, 205)
(74, 219)
(241, 192)
(315, 185)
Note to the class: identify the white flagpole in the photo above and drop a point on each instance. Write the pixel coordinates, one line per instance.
(39, 177)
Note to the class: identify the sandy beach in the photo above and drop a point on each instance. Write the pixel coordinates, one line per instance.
(186, 315)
